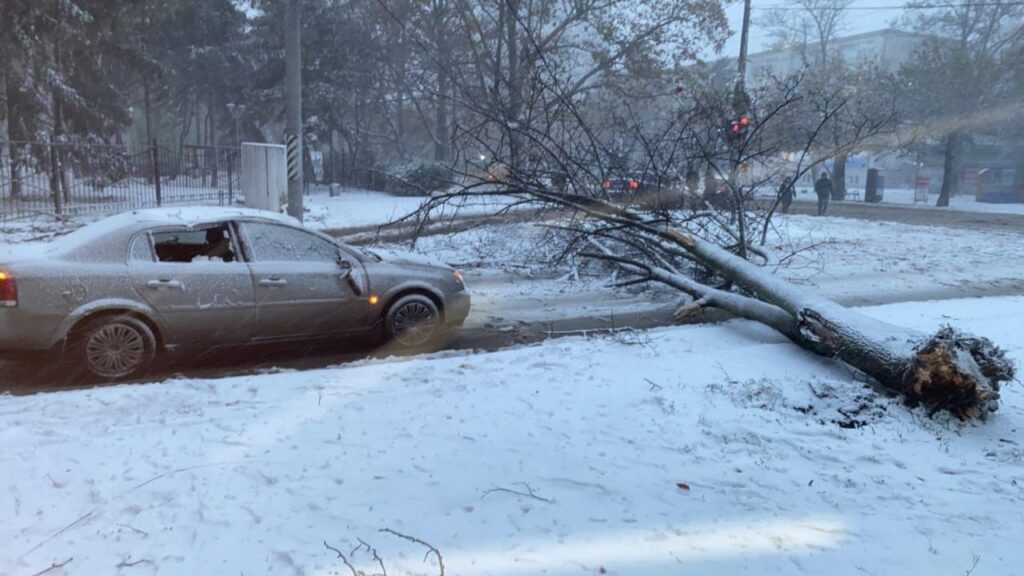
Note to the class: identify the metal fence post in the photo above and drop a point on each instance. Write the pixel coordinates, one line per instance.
(156, 171)
(54, 178)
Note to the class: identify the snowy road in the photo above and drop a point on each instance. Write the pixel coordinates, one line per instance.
(510, 324)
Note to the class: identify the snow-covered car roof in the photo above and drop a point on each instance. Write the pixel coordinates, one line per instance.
(85, 238)
(193, 215)
(176, 216)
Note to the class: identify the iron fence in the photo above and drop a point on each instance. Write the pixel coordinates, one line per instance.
(73, 178)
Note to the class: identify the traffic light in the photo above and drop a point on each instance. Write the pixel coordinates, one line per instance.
(739, 126)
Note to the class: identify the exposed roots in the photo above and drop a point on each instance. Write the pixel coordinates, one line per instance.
(959, 373)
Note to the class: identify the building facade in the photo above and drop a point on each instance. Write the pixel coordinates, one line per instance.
(888, 49)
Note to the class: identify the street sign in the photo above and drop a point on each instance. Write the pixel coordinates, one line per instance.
(316, 157)
(971, 179)
(921, 189)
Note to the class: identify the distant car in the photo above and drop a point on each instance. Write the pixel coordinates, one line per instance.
(113, 295)
(640, 183)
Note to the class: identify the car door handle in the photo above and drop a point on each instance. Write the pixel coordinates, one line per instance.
(273, 282)
(161, 284)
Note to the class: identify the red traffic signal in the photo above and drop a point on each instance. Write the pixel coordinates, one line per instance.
(739, 126)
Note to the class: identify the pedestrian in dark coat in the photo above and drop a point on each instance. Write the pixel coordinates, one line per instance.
(786, 194)
(692, 183)
(823, 187)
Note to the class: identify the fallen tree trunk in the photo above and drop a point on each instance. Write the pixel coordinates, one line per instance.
(949, 370)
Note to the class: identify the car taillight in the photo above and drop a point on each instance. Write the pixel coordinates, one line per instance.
(607, 184)
(458, 276)
(634, 185)
(8, 290)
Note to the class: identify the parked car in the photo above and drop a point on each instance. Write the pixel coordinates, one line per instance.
(113, 295)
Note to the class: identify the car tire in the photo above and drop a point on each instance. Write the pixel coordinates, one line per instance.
(114, 348)
(413, 321)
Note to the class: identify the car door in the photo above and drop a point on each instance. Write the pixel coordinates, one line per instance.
(304, 284)
(201, 298)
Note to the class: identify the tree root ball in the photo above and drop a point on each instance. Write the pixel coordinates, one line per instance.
(958, 372)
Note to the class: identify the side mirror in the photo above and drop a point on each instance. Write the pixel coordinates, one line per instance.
(342, 259)
(346, 274)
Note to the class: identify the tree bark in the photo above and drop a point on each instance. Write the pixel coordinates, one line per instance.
(212, 131)
(950, 169)
(147, 110)
(6, 164)
(949, 370)
(515, 89)
(839, 177)
(441, 122)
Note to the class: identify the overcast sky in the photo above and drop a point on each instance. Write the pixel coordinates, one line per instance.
(864, 16)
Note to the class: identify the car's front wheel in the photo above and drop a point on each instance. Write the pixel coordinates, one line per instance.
(413, 321)
(115, 348)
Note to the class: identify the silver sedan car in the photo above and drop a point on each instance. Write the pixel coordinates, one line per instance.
(111, 296)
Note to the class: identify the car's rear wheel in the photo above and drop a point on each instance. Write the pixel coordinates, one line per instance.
(413, 321)
(114, 348)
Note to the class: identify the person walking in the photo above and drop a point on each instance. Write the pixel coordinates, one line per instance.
(692, 183)
(823, 188)
(786, 194)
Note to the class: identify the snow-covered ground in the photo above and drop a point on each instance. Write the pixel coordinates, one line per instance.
(356, 208)
(694, 450)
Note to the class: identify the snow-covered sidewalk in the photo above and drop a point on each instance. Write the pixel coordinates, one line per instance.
(905, 197)
(695, 450)
(354, 208)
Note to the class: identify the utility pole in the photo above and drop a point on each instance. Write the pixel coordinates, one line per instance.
(293, 98)
(740, 100)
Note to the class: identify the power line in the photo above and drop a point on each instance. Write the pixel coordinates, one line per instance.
(789, 8)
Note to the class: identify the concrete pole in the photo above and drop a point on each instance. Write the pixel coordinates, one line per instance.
(293, 98)
(740, 99)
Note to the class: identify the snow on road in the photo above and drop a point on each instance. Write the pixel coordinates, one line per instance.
(691, 450)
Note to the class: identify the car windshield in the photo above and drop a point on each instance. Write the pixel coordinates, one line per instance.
(511, 287)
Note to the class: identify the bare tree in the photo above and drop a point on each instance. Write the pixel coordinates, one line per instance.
(809, 29)
(962, 72)
(710, 254)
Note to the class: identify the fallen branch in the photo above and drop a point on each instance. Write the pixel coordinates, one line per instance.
(54, 566)
(528, 494)
(376, 557)
(430, 548)
(343, 558)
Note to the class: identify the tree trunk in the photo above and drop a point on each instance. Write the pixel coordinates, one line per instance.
(212, 132)
(945, 371)
(950, 169)
(839, 177)
(6, 166)
(58, 183)
(148, 113)
(441, 135)
(515, 90)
